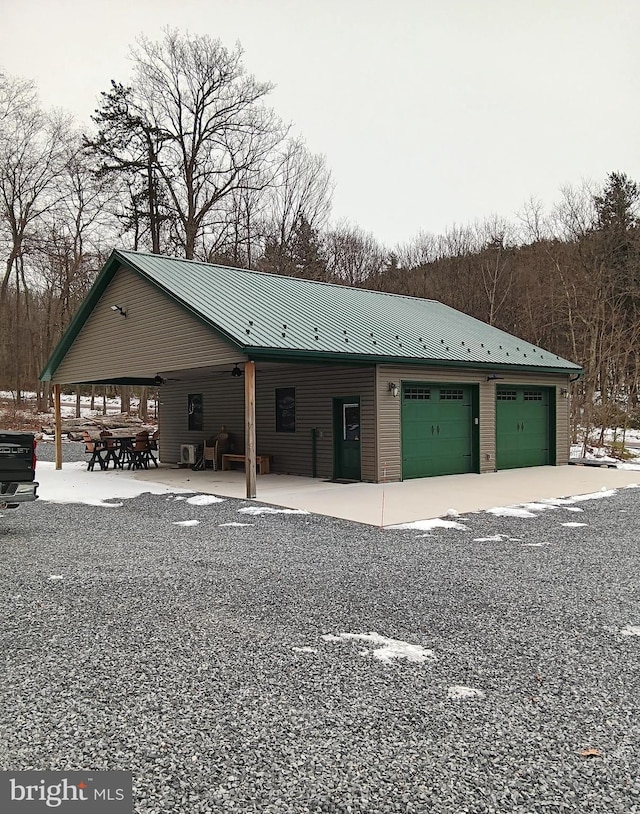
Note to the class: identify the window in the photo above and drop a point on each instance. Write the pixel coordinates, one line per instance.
(451, 394)
(507, 395)
(194, 406)
(350, 422)
(414, 393)
(533, 395)
(285, 409)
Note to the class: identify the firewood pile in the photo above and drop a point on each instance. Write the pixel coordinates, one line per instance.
(74, 428)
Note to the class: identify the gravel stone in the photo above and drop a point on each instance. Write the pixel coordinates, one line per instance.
(194, 657)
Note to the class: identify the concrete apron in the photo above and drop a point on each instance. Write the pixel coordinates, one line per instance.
(384, 504)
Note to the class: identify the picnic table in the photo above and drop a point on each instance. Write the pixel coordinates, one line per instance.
(130, 451)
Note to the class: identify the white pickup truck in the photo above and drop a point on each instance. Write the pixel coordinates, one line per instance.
(17, 469)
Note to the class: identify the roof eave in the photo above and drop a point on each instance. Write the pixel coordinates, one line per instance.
(281, 354)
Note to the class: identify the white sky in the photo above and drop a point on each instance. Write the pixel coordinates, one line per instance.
(430, 112)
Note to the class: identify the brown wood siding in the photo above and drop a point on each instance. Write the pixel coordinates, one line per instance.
(222, 405)
(155, 336)
(389, 466)
(563, 429)
(316, 386)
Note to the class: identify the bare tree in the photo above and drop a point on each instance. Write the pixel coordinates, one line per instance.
(32, 159)
(354, 256)
(299, 201)
(199, 124)
(496, 264)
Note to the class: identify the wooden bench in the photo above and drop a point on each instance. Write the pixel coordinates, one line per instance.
(262, 462)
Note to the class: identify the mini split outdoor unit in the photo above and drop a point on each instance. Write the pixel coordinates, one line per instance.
(188, 453)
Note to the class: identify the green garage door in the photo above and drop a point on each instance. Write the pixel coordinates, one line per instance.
(522, 427)
(437, 430)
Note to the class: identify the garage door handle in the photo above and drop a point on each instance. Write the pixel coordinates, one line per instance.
(438, 428)
(432, 429)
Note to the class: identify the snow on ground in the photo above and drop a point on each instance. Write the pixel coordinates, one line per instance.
(73, 484)
(510, 511)
(459, 693)
(68, 404)
(270, 510)
(427, 525)
(385, 649)
(530, 509)
(204, 500)
(630, 630)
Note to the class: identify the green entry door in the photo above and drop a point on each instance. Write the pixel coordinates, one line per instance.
(346, 434)
(437, 430)
(522, 427)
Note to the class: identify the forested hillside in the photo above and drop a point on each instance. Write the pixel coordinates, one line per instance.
(187, 158)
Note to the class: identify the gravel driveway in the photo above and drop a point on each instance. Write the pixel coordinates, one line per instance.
(194, 656)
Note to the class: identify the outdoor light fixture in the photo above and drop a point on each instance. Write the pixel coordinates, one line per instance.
(236, 372)
(119, 309)
(493, 377)
(158, 380)
(394, 389)
(564, 392)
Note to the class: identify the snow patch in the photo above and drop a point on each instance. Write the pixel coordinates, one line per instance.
(427, 525)
(510, 511)
(573, 525)
(55, 577)
(530, 509)
(594, 495)
(536, 507)
(306, 649)
(204, 500)
(458, 692)
(186, 523)
(387, 649)
(234, 525)
(495, 538)
(270, 510)
(630, 630)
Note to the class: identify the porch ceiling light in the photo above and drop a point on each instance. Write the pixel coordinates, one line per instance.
(122, 311)
(394, 389)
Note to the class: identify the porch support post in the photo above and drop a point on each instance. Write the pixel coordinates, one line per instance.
(58, 425)
(250, 426)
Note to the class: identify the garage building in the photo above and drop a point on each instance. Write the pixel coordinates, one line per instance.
(328, 381)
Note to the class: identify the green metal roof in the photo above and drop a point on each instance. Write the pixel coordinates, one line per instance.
(271, 316)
